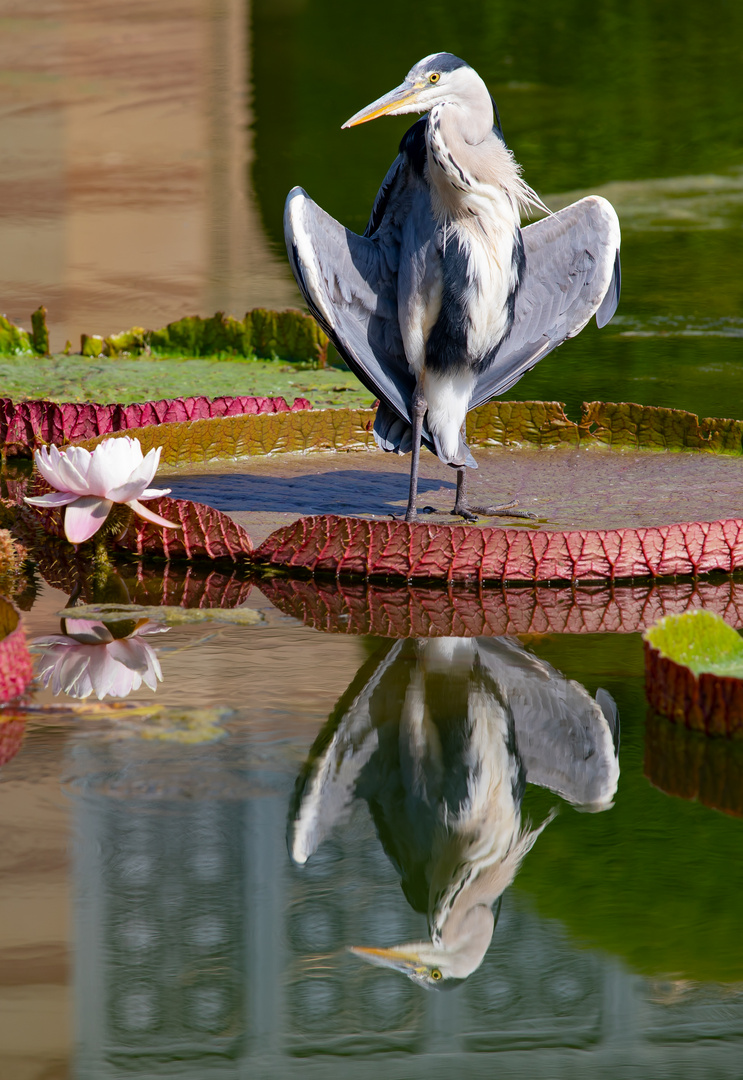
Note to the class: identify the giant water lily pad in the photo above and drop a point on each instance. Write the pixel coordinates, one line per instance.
(694, 672)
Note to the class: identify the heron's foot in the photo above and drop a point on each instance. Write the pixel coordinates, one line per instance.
(464, 512)
(471, 513)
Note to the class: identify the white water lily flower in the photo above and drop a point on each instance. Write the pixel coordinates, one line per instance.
(88, 484)
(89, 660)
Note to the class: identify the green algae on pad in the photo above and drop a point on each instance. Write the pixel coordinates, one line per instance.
(700, 641)
(169, 615)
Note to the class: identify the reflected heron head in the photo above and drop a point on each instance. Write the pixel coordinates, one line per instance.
(444, 962)
(421, 961)
(437, 79)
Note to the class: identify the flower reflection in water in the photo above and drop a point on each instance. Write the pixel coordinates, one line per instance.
(440, 737)
(89, 658)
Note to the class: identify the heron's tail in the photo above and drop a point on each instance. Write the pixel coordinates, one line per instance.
(395, 435)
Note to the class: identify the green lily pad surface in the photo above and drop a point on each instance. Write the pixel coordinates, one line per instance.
(701, 641)
(694, 672)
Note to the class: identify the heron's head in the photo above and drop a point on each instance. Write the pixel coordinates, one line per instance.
(437, 79)
(421, 961)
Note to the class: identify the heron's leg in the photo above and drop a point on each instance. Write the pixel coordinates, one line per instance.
(418, 411)
(463, 509)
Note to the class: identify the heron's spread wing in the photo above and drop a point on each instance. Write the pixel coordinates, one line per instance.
(572, 272)
(567, 741)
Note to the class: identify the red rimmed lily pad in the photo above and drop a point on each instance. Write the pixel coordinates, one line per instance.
(416, 611)
(16, 670)
(694, 672)
(27, 425)
(203, 532)
(395, 550)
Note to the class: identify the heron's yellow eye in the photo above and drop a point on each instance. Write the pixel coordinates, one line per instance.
(435, 973)
(434, 78)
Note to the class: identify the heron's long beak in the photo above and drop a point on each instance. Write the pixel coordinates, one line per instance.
(405, 94)
(398, 958)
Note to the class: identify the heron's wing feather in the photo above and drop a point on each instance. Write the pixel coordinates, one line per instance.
(349, 283)
(572, 273)
(567, 740)
(326, 788)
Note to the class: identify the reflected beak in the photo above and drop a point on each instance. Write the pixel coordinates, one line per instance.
(405, 94)
(399, 959)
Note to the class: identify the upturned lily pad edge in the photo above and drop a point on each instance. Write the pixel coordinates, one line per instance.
(676, 683)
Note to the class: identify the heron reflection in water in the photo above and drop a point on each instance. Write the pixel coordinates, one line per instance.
(439, 737)
(445, 302)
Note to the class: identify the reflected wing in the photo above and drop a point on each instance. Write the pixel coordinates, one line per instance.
(567, 740)
(326, 788)
(572, 272)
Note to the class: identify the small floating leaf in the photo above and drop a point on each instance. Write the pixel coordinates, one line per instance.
(186, 726)
(701, 641)
(173, 616)
(694, 672)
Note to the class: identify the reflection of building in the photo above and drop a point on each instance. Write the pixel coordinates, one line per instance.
(201, 951)
(124, 174)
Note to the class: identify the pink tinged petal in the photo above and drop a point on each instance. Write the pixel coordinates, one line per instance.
(88, 631)
(154, 674)
(54, 498)
(149, 516)
(130, 652)
(48, 662)
(46, 463)
(72, 674)
(138, 656)
(104, 671)
(148, 627)
(84, 517)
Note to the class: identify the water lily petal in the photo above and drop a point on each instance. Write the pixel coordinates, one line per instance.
(71, 673)
(72, 469)
(107, 675)
(88, 631)
(154, 493)
(148, 627)
(60, 472)
(136, 484)
(143, 474)
(149, 516)
(54, 498)
(47, 464)
(113, 462)
(84, 517)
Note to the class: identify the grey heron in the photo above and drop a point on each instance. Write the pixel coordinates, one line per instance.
(439, 738)
(445, 302)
